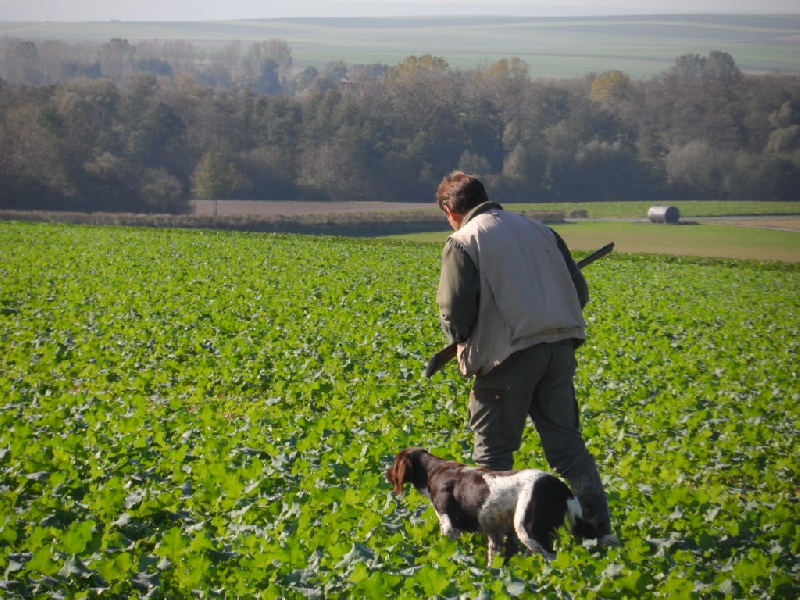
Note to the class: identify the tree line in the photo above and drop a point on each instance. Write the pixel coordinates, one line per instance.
(145, 128)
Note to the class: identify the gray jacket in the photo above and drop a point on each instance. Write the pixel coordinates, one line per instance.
(507, 282)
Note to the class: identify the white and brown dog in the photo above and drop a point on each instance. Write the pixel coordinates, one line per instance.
(504, 505)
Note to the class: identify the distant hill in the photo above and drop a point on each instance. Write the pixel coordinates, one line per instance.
(640, 45)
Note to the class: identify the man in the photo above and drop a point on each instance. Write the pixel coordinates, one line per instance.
(511, 294)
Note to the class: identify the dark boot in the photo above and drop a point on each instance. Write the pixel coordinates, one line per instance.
(596, 521)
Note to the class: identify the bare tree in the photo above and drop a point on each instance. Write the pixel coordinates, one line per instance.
(22, 63)
(116, 58)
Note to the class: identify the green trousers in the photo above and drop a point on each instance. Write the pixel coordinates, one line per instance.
(535, 383)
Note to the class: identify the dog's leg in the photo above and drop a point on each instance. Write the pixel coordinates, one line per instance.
(533, 545)
(447, 527)
(537, 547)
(495, 546)
(511, 547)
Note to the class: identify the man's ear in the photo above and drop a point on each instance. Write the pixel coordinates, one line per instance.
(454, 218)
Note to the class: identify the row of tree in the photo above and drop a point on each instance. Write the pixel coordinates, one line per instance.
(149, 142)
(264, 67)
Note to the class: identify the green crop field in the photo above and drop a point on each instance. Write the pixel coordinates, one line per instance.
(640, 45)
(188, 413)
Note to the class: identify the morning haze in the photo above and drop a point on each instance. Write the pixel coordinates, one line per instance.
(552, 47)
(189, 10)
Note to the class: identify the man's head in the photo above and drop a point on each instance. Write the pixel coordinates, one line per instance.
(458, 194)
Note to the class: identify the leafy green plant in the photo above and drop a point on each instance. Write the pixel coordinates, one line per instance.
(204, 413)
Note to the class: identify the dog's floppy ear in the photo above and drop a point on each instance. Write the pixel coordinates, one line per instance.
(397, 472)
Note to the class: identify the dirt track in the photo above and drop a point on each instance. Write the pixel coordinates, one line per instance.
(790, 223)
(288, 209)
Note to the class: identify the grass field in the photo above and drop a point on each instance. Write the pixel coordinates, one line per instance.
(553, 47)
(689, 209)
(751, 234)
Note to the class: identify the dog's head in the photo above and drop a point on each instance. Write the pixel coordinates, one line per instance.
(583, 528)
(408, 469)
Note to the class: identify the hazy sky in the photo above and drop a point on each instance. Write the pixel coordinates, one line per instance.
(200, 10)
